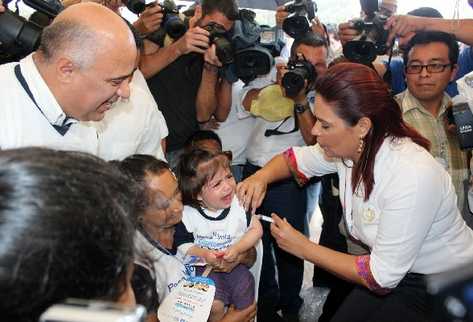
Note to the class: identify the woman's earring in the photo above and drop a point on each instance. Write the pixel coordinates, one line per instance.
(360, 145)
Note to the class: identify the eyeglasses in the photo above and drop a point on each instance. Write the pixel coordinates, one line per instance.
(431, 68)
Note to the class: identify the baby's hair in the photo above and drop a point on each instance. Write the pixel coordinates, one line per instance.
(195, 169)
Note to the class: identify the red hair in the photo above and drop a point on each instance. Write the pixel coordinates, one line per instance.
(356, 91)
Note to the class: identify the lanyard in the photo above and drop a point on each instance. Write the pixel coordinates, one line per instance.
(61, 129)
(163, 249)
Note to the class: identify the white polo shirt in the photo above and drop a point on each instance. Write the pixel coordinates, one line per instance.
(410, 221)
(134, 125)
(23, 124)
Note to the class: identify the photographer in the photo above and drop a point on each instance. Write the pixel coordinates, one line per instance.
(404, 27)
(65, 231)
(269, 138)
(183, 76)
(81, 68)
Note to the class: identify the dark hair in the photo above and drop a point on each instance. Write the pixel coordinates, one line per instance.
(229, 8)
(202, 135)
(64, 230)
(427, 12)
(195, 169)
(428, 37)
(309, 39)
(138, 167)
(355, 91)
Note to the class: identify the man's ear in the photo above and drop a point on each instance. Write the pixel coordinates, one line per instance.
(65, 70)
(364, 125)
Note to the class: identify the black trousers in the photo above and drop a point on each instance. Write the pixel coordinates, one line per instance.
(289, 201)
(408, 302)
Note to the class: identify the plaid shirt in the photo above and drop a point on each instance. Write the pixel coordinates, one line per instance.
(444, 145)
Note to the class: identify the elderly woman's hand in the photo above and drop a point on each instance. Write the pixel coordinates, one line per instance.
(251, 192)
(288, 239)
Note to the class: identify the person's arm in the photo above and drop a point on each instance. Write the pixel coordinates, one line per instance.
(207, 94)
(247, 241)
(251, 95)
(210, 256)
(402, 24)
(224, 98)
(292, 241)
(247, 258)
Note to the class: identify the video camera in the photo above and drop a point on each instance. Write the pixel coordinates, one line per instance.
(372, 39)
(299, 71)
(74, 310)
(301, 14)
(18, 36)
(172, 23)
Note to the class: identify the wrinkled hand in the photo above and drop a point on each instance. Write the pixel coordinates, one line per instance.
(231, 254)
(281, 14)
(150, 19)
(251, 192)
(245, 315)
(401, 25)
(346, 32)
(288, 238)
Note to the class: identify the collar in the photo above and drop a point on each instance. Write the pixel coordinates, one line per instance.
(221, 216)
(42, 94)
(408, 102)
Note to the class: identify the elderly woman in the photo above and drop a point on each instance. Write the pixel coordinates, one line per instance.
(64, 231)
(396, 199)
(159, 259)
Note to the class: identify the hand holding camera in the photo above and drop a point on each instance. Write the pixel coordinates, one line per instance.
(150, 19)
(401, 25)
(298, 75)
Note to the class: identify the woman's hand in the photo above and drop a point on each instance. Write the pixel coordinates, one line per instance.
(289, 239)
(245, 315)
(251, 192)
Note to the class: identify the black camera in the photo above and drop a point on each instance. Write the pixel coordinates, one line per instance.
(372, 39)
(223, 46)
(297, 24)
(252, 62)
(172, 23)
(18, 36)
(299, 72)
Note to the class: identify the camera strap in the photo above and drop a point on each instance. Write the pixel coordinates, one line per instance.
(271, 132)
(61, 129)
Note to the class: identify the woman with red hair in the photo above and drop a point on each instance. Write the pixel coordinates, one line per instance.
(396, 198)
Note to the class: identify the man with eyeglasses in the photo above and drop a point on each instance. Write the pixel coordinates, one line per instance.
(430, 62)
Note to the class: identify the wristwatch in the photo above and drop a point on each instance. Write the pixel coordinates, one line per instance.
(300, 108)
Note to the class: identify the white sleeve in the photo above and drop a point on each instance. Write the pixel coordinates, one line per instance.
(410, 202)
(310, 161)
(155, 130)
